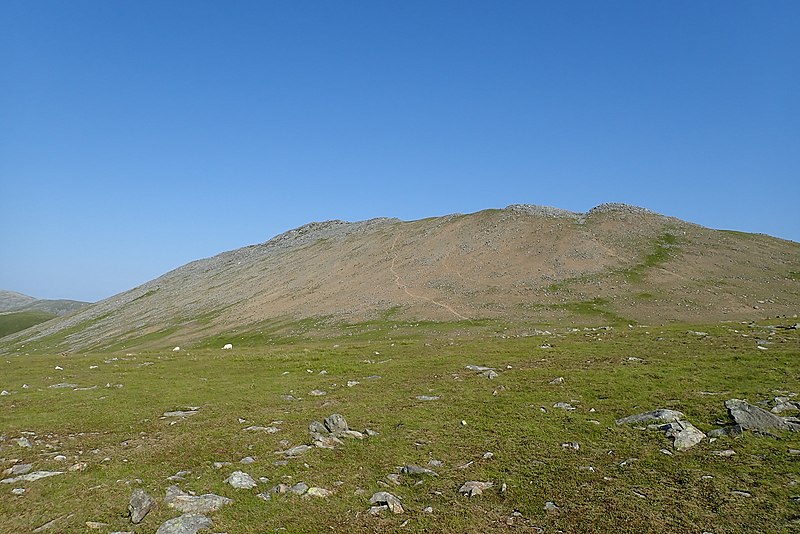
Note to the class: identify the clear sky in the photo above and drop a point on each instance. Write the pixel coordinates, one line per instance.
(136, 136)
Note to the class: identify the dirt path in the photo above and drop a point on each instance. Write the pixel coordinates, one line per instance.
(404, 287)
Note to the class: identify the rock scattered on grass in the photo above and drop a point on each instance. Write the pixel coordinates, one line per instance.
(241, 480)
(320, 493)
(182, 413)
(197, 504)
(267, 429)
(684, 434)
(140, 505)
(663, 415)
(754, 418)
(295, 451)
(564, 406)
(724, 454)
(31, 477)
(179, 476)
(18, 491)
(185, 524)
(317, 393)
(472, 488)
(386, 499)
(557, 381)
(734, 431)
(412, 469)
(427, 397)
(550, 506)
(19, 469)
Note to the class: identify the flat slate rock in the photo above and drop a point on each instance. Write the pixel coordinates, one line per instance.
(754, 418)
(472, 488)
(194, 504)
(384, 498)
(30, 477)
(412, 469)
(140, 505)
(19, 469)
(185, 524)
(663, 415)
(241, 480)
(733, 431)
(684, 434)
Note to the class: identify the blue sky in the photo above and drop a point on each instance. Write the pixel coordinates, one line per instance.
(138, 136)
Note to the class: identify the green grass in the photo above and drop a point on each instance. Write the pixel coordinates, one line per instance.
(664, 248)
(679, 370)
(16, 321)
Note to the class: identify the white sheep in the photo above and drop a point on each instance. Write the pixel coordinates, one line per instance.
(227, 346)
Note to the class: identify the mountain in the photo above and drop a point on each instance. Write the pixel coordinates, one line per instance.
(522, 264)
(11, 301)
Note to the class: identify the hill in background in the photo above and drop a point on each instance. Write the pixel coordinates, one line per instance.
(18, 311)
(521, 265)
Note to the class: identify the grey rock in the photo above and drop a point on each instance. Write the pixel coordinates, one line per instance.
(63, 385)
(320, 493)
(557, 381)
(19, 469)
(299, 489)
(247, 460)
(198, 504)
(684, 434)
(296, 451)
(663, 415)
(550, 506)
(140, 505)
(326, 441)
(394, 478)
(280, 489)
(185, 524)
(31, 477)
(754, 418)
(375, 510)
(23, 442)
(564, 406)
(241, 480)
(267, 429)
(180, 413)
(412, 469)
(733, 431)
(479, 368)
(384, 498)
(336, 423)
(739, 493)
(473, 487)
(724, 454)
(350, 434)
(317, 428)
(179, 476)
(427, 397)
(490, 374)
(18, 491)
(317, 393)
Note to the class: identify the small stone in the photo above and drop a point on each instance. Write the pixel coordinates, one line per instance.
(295, 451)
(318, 492)
(351, 383)
(393, 478)
(427, 397)
(384, 498)
(727, 453)
(60, 458)
(491, 375)
(412, 469)
(220, 465)
(351, 434)
(241, 480)
(557, 381)
(473, 487)
(96, 524)
(794, 452)
(735, 430)
(317, 393)
(247, 460)
(317, 428)
(299, 489)
(80, 466)
(487, 455)
(23, 442)
(4, 393)
(267, 429)
(428, 509)
(564, 406)
(31, 477)
(371, 432)
(18, 491)
(550, 506)
(179, 476)
(180, 413)
(200, 504)
(665, 451)
(479, 368)
(574, 445)
(684, 434)
(19, 469)
(185, 524)
(140, 505)
(741, 493)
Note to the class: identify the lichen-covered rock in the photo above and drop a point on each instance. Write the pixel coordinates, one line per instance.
(185, 524)
(384, 498)
(754, 418)
(663, 415)
(140, 505)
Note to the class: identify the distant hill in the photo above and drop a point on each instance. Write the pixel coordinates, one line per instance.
(615, 264)
(18, 311)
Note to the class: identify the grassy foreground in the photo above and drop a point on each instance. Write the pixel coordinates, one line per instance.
(617, 481)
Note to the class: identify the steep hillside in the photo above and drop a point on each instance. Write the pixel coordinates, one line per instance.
(522, 264)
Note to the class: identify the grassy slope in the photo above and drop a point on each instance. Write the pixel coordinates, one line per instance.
(16, 321)
(502, 416)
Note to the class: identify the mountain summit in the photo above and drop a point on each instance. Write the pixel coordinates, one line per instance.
(524, 263)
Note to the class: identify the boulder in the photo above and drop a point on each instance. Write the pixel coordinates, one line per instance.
(336, 423)
(384, 498)
(754, 418)
(474, 487)
(185, 524)
(684, 434)
(140, 505)
(194, 504)
(241, 480)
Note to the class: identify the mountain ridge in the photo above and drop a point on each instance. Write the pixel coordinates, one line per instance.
(522, 263)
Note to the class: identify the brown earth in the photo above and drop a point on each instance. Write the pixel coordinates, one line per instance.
(522, 264)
